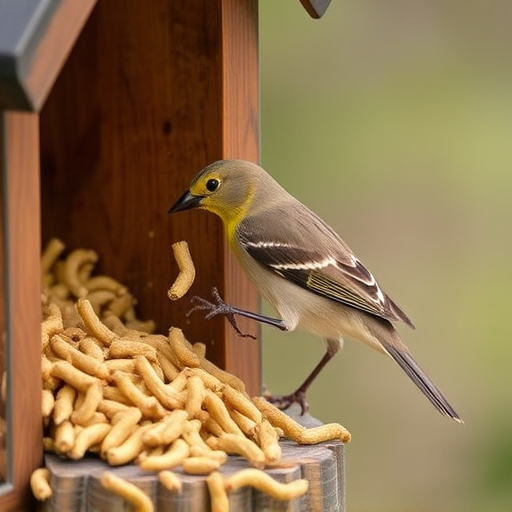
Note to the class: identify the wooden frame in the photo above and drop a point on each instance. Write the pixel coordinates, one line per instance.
(144, 100)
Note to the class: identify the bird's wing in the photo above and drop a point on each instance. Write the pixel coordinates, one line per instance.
(327, 269)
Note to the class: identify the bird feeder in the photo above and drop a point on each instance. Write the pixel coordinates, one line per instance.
(108, 108)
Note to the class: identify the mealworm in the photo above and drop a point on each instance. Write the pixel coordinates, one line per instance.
(40, 484)
(200, 465)
(297, 432)
(218, 496)
(93, 324)
(265, 483)
(130, 492)
(172, 458)
(231, 443)
(187, 273)
(72, 265)
(171, 481)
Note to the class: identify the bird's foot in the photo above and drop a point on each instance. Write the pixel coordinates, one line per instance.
(284, 402)
(218, 307)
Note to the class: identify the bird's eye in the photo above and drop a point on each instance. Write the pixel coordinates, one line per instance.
(212, 185)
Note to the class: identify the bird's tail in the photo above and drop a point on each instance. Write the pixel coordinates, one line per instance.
(422, 380)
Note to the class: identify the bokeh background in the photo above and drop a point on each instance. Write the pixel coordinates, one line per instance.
(393, 121)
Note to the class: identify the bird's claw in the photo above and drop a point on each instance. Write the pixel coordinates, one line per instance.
(286, 401)
(218, 307)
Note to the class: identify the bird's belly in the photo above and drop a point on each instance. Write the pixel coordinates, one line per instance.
(326, 318)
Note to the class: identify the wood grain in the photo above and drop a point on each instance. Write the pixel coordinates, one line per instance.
(241, 130)
(21, 208)
(146, 99)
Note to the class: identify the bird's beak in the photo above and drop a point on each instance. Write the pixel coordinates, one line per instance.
(186, 202)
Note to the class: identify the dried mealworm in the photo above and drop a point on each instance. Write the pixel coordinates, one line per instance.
(40, 484)
(72, 265)
(82, 361)
(231, 443)
(130, 492)
(195, 397)
(172, 458)
(166, 397)
(218, 496)
(182, 348)
(128, 348)
(166, 430)
(51, 253)
(298, 433)
(123, 423)
(47, 403)
(187, 273)
(93, 324)
(64, 404)
(265, 483)
(86, 410)
(72, 376)
(64, 437)
(129, 449)
(171, 481)
(200, 465)
(217, 409)
(88, 437)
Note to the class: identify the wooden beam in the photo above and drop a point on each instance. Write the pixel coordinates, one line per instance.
(21, 215)
(241, 139)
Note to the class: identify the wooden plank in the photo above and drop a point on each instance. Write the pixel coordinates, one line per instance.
(3, 314)
(241, 127)
(22, 251)
(138, 109)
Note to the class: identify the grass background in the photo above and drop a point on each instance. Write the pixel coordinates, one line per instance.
(393, 121)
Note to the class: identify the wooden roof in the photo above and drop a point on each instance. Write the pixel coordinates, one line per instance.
(35, 39)
(37, 35)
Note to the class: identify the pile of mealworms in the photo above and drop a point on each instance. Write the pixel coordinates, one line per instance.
(113, 387)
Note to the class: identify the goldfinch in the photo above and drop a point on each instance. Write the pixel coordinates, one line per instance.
(303, 268)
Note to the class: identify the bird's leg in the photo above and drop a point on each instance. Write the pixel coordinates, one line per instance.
(219, 307)
(299, 395)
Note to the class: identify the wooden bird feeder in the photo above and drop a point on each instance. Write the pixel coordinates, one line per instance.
(108, 108)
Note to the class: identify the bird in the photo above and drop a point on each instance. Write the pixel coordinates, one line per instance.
(304, 269)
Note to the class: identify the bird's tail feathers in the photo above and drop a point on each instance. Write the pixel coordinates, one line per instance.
(422, 380)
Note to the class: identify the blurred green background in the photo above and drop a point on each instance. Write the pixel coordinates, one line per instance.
(393, 121)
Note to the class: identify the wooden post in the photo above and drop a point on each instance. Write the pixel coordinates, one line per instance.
(21, 255)
(241, 140)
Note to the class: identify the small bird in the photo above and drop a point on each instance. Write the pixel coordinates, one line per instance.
(303, 268)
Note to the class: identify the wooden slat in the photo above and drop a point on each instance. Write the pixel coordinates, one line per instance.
(241, 127)
(22, 251)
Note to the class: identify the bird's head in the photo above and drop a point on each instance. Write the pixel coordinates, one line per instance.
(226, 188)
